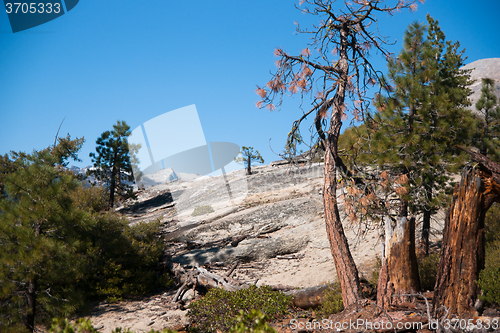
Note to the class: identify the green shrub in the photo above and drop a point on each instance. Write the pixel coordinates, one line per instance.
(201, 210)
(92, 199)
(123, 259)
(219, 308)
(492, 224)
(427, 270)
(489, 281)
(64, 326)
(332, 302)
(253, 322)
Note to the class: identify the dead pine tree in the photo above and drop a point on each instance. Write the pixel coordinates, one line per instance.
(334, 68)
(462, 254)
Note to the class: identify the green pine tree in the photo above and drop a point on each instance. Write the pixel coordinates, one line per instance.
(112, 162)
(488, 124)
(249, 155)
(39, 237)
(412, 136)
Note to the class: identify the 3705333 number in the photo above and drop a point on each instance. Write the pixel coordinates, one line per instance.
(32, 8)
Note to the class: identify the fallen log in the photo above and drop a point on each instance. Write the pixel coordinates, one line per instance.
(308, 298)
(231, 270)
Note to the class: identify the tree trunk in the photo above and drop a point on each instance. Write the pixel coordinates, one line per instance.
(31, 300)
(344, 263)
(399, 271)
(31, 294)
(426, 225)
(249, 167)
(462, 254)
(112, 183)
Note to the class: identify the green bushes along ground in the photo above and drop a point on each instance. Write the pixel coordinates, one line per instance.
(218, 310)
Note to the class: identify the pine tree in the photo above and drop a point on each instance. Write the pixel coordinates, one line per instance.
(488, 124)
(39, 231)
(112, 162)
(416, 129)
(249, 155)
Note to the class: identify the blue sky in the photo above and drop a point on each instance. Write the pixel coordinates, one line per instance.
(135, 60)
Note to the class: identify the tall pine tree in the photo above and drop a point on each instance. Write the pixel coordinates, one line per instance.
(112, 162)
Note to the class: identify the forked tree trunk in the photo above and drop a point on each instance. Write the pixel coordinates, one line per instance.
(399, 271)
(462, 254)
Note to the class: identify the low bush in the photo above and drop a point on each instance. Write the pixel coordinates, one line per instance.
(332, 302)
(218, 309)
(427, 270)
(64, 326)
(253, 322)
(489, 281)
(123, 259)
(488, 278)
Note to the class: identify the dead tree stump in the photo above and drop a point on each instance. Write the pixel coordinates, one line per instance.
(399, 271)
(462, 254)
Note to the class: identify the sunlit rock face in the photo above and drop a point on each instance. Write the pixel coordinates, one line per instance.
(484, 68)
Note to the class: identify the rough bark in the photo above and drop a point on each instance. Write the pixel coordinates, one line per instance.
(462, 254)
(399, 272)
(344, 263)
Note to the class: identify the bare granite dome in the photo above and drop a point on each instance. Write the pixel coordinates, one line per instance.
(484, 68)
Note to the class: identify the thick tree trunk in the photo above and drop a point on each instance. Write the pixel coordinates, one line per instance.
(462, 254)
(399, 271)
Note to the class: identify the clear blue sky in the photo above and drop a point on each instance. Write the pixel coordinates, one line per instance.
(134, 60)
